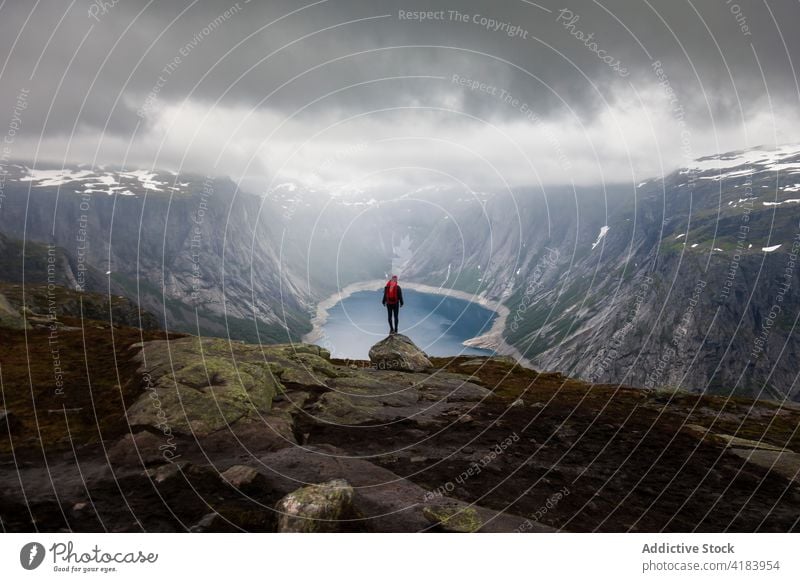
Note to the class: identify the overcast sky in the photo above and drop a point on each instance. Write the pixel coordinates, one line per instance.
(362, 94)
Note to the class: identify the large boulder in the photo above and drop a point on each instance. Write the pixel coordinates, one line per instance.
(382, 501)
(398, 352)
(315, 508)
(199, 386)
(372, 397)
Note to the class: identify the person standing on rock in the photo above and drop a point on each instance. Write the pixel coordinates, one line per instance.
(393, 300)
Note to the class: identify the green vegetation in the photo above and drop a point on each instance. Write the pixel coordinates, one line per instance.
(184, 317)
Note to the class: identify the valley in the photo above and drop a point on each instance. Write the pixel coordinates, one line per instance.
(685, 281)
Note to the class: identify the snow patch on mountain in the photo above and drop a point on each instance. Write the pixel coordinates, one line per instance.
(145, 178)
(102, 181)
(603, 231)
(756, 156)
(52, 178)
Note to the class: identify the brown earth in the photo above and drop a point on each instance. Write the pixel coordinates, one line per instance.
(470, 444)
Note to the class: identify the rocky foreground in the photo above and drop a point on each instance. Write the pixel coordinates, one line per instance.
(157, 433)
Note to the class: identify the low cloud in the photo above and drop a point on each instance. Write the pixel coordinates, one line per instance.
(347, 94)
(412, 146)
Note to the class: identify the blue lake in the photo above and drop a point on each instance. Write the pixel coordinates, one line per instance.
(437, 324)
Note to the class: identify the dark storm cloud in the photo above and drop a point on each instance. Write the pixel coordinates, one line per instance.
(95, 65)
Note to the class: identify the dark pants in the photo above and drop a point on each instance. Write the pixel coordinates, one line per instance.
(393, 309)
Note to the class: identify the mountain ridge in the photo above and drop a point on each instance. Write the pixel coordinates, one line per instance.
(596, 281)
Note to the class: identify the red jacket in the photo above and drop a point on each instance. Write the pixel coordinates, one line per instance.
(386, 295)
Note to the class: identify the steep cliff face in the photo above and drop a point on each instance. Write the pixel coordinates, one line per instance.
(490, 244)
(692, 283)
(192, 250)
(687, 280)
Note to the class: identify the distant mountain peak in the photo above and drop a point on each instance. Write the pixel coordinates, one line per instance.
(784, 158)
(83, 179)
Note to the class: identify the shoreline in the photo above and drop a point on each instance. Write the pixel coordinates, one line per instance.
(491, 340)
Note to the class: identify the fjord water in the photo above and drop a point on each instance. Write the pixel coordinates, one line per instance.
(436, 323)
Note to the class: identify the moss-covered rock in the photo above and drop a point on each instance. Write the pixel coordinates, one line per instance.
(461, 519)
(301, 366)
(315, 508)
(398, 352)
(340, 409)
(198, 386)
(317, 364)
(288, 350)
(370, 397)
(299, 377)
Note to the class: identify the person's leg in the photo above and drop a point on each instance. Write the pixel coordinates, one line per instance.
(396, 309)
(389, 312)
